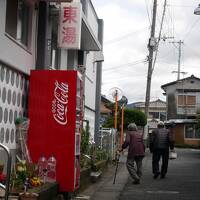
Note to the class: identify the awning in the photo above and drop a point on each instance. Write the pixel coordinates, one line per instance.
(89, 42)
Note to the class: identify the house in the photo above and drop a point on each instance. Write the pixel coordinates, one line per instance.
(183, 104)
(29, 39)
(105, 112)
(157, 112)
(157, 109)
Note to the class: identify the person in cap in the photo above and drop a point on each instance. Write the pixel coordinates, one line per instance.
(160, 140)
(136, 152)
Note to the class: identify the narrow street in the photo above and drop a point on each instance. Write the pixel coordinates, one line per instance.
(182, 181)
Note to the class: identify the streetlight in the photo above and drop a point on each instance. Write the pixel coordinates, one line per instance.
(197, 10)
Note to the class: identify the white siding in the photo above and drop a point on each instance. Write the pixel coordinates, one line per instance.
(90, 82)
(92, 19)
(90, 116)
(12, 53)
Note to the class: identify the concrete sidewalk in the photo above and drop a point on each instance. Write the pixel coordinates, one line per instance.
(104, 188)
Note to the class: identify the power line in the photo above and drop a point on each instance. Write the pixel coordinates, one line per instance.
(130, 34)
(194, 51)
(171, 16)
(148, 12)
(193, 25)
(176, 5)
(159, 37)
(128, 64)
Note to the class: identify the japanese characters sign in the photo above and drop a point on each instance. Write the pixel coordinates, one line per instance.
(69, 31)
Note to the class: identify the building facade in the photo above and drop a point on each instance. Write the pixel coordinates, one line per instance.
(157, 109)
(183, 105)
(28, 41)
(157, 112)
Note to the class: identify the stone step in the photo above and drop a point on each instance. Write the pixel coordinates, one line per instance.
(82, 198)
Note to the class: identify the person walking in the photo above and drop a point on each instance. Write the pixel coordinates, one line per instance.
(160, 140)
(136, 152)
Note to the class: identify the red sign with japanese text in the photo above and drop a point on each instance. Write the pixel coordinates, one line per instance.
(69, 32)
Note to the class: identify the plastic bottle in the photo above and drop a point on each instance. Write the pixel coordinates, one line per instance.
(42, 168)
(51, 169)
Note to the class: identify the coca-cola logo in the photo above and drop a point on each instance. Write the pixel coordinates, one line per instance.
(60, 102)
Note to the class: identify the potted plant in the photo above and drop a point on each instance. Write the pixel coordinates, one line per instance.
(24, 176)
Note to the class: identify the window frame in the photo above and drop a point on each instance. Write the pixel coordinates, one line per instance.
(185, 104)
(185, 100)
(194, 132)
(12, 27)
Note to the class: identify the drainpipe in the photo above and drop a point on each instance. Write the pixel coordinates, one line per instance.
(98, 86)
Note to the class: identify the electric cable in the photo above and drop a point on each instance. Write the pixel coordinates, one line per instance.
(193, 25)
(130, 34)
(127, 64)
(159, 37)
(196, 52)
(147, 9)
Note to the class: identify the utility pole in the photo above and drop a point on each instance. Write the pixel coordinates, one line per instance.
(179, 58)
(151, 47)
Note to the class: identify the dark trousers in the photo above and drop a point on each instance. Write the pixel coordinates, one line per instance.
(157, 154)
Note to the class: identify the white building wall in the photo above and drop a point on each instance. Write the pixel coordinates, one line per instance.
(16, 61)
(90, 91)
(11, 52)
(90, 116)
(92, 19)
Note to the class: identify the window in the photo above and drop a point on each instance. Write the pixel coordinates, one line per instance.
(55, 51)
(181, 100)
(186, 100)
(154, 115)
(18, 21)
(191, 132)
(191, 100)
(186, 104)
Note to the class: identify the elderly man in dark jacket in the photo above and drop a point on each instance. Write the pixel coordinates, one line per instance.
(136, 150)
(161, 140)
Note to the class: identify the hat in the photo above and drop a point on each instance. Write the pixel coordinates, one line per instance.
(132, 127)
(161, 124)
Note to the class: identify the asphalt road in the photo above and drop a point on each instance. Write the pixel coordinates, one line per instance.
(182, 181)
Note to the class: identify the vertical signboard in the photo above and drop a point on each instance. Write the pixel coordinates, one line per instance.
(69, 31)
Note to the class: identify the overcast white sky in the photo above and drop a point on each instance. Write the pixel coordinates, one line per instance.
(126, 35)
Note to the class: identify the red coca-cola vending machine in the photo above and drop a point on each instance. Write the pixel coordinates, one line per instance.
(56, 112)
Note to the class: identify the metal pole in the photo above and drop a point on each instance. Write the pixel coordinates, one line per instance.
(122, 126)
(151, 46)
(117, 156)
(116, 105)
(179, 59)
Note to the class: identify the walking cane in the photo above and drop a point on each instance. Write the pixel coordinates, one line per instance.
(117, 162)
